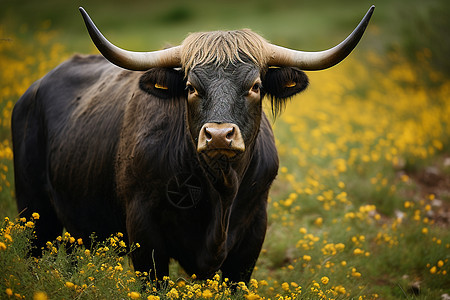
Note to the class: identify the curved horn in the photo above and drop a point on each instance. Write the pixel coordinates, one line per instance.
(313, 61)
(137, 61)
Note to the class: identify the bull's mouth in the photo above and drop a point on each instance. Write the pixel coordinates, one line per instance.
(229, 154)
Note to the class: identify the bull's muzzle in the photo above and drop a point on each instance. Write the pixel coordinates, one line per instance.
(220, 139)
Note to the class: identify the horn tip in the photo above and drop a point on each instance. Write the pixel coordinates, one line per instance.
(83, 12)
(368, 15)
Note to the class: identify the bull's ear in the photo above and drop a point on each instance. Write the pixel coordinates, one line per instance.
(163, 83)
(280, 84)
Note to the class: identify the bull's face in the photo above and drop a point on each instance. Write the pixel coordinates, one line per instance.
(224, 108)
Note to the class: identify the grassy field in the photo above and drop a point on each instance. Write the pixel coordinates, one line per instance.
(361, 206)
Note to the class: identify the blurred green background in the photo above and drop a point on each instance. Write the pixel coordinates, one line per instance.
(402, 25)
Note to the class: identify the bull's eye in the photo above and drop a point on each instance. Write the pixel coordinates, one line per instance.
(256, 87)
(190, 89)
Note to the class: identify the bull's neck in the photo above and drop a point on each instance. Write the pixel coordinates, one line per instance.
(221, 181)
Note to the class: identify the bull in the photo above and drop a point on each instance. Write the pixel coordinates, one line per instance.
(172, 147)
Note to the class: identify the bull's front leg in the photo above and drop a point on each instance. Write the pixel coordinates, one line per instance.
(151, 255)
(247, 243)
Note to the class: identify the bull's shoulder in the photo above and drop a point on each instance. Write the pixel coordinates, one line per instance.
(87, 63)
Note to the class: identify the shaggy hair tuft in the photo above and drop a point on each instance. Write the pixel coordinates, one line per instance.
(223, 48)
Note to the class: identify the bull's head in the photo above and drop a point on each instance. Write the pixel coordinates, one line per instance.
(225, 75)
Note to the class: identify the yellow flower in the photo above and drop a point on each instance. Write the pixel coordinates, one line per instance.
(341, 165)
(285, 286)
(8, 237)
(355, 273)
(2, 246)
(254, 283)
(9, 292)
(358, 251)
(339, 246)
(207, 294)
(263, 283)
(319, 221)
(306, 258)
(151, 297)
(433, 270)
(252, 296)
(440, 264)
(69, 284)
(134, 295)
(40, 296)
(325, 280)
(35, 216)
(173, 294)
(118, 268)
(340, 289)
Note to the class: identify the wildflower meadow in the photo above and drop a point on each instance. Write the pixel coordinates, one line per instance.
(360, 208)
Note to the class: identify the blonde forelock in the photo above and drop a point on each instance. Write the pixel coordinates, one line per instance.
(223, 48)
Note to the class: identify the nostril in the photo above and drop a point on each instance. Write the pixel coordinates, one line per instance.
(230, 134)
(208, 134)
